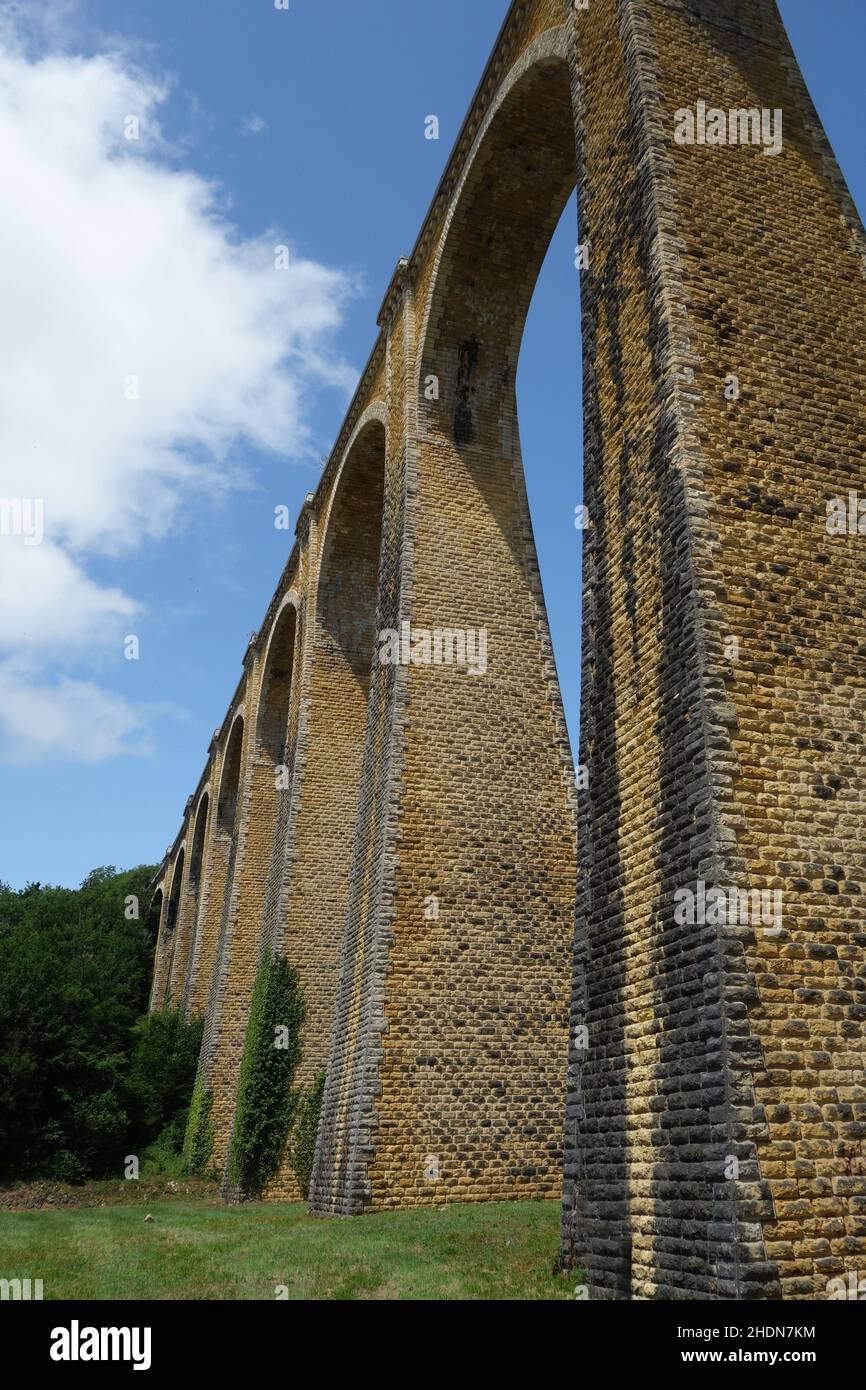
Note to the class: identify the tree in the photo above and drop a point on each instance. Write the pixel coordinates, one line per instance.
(74, 979)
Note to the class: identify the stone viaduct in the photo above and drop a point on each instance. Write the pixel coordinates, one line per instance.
(405, 831)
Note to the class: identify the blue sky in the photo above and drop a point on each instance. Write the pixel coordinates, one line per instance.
(310, 124)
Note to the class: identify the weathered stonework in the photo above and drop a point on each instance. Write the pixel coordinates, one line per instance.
(417, 865)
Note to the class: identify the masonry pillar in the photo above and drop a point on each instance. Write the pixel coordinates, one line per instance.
(226, 856)
(340, 626)
(445, 1078)
(249, 928)
(717, 1068)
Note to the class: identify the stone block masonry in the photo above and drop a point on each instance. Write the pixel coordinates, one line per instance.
(702, 1029)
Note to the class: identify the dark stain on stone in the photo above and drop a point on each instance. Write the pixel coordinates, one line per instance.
(467, 361)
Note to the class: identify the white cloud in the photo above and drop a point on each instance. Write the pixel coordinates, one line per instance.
(116, 264)
(253, 125)
(50, 608)
(21, 21)
(41, 721)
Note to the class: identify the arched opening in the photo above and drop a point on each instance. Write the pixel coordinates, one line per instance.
(170, 929)
(152, 919)
(273, 769)
(349, 574)
(198, 841)
(502, 221)
(174, 895)
(276, 688)
(227, 802)
(185, 970)
(155, 924)
(550, 404)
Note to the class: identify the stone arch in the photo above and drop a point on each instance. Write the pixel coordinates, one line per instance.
(348, 569)
(176, 884)
(230, 779)
(198, 840)
(154, 911)
(276, 685)
(185, 967)
(279, 711)
(515, 183)
(520, 173)
(473, 569)
(543, 64)
(154, 922)
(345, 633)
(209, 883)
(172, 914)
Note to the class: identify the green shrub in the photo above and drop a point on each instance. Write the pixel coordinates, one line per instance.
(266, 1101)
(304, 1133)
(162, 1073)
(163, 1158)
(66, 1167)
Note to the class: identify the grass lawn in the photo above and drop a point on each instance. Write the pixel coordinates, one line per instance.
(201, 1249)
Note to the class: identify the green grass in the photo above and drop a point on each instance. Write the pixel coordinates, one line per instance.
(206, 1250)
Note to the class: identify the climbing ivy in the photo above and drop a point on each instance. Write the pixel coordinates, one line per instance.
(304, 1133)
(198, 1143)
(266, 1101)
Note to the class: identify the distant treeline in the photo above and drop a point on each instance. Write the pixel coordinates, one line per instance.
(87, 1077)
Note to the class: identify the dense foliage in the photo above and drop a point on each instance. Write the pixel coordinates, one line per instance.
(266, 1100)
(304, 1133)
(198, 1143)
(85, 1077)
(162, 1067)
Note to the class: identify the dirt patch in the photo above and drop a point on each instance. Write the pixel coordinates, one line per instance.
(56, 1196)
